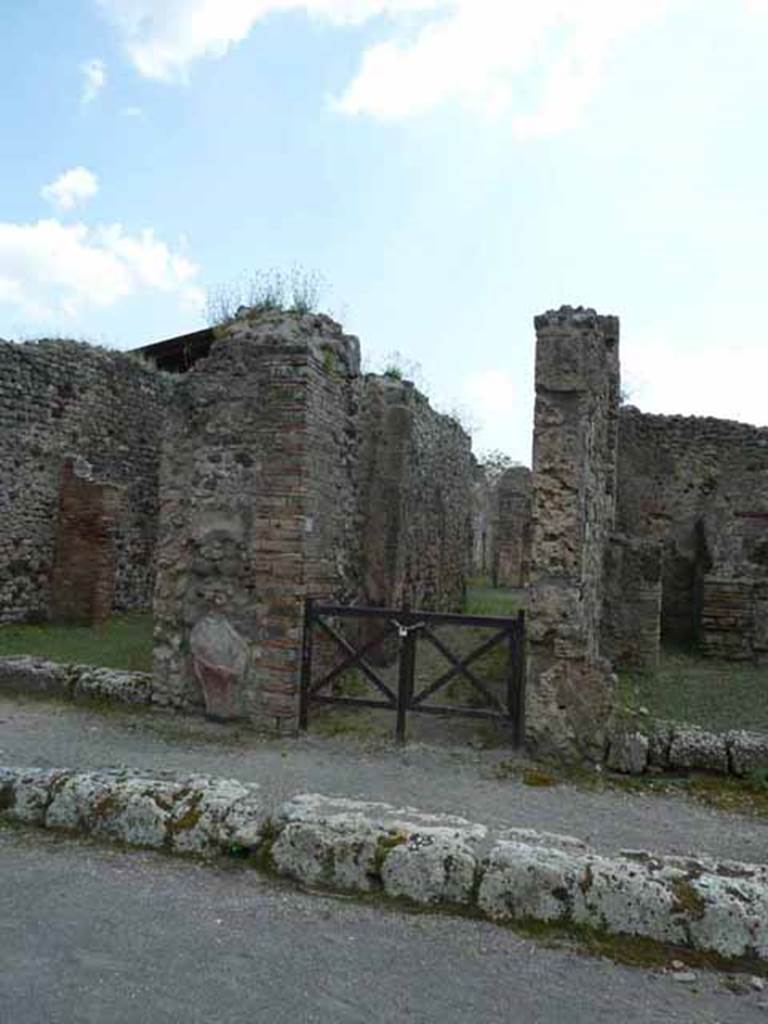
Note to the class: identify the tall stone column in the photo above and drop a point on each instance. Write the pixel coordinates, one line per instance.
(570, 686)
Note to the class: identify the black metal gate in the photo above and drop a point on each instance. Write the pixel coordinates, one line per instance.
(411, 628)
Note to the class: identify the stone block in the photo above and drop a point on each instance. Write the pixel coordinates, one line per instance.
(431, 866)
(628, 753)
(748, 751)
(695, 748)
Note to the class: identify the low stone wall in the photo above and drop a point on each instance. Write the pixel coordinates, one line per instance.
(429, 860)
(675, 746)
(28, 675)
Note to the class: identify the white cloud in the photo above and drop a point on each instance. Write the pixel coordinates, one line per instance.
(72, 188)
(499, 405)
(541, 63)
(490, 391)
(163, 39)
(94, 79)
(726, 380)
(48, 268)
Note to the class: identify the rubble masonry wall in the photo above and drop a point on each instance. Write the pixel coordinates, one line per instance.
(60, 398)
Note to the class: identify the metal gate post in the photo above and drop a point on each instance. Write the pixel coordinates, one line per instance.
(306, 665)
(405, 679)
(519, 680)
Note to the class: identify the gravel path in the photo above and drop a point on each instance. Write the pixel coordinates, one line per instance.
(456, 780)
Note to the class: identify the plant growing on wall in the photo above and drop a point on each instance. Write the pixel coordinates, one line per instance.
(297, 291)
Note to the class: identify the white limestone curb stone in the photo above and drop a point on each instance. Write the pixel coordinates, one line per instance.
(359, 846)
(192, 814)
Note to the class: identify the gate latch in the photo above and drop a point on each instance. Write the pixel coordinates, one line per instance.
(403, 631)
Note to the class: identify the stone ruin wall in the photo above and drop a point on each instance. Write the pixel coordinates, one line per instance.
(257, 504)
(512, 528)
(483, 516)
(501, 526)
(643, 526)
(415, 468)
(698, 487)
(630, 630)
(570, 688)
(85, 553)
(60, 398)
(286, 474)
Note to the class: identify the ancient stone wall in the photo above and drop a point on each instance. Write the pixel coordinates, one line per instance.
(630, 630)
(512, 528)
(483, 519)
(699, 487)
(257, 508)
(85, 559)
(570, 688)
(415, 478)
(285, 474)
(60, 398)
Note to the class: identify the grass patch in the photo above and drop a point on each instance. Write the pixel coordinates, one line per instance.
(717, 695)
(747, 796)
(483, 599)
(537, 777)
(124, 642)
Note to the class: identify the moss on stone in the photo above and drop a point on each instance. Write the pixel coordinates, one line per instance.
(537, 777)
(688, 900)
(395, 837)
(190, 818)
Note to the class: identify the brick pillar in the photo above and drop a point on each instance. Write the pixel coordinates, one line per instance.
(85, 561)
(257, 510)
(570, 687)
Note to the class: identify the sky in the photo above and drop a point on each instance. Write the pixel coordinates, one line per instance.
(450, 168)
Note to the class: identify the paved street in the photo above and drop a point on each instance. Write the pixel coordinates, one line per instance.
(90, 935)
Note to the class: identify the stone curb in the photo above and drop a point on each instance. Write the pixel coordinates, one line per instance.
(24, 674)
(677, 746)
(430, 860)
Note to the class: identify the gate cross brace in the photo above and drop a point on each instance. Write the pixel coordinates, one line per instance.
(354, 658)
(461, 666)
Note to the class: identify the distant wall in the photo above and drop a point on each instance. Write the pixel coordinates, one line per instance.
(512, 528)
(483, 517)
(415, 483)
(630, 629)
(60, 398)
(699, 487)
